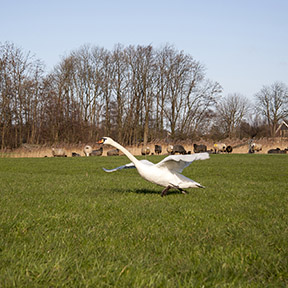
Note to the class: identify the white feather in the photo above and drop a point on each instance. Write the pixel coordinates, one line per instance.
(177, 163)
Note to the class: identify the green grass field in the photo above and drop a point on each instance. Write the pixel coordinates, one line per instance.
(67, 223)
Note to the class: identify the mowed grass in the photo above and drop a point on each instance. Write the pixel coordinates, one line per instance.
(65, 222)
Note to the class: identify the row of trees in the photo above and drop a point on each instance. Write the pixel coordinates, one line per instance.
(133, 94)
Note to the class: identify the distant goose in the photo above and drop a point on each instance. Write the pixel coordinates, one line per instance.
(166, 173)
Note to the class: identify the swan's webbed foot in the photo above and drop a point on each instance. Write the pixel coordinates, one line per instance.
(164, 192)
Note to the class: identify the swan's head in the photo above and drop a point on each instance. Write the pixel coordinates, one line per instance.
(105, 140)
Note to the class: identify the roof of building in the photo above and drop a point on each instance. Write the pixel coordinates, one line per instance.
(282, 126)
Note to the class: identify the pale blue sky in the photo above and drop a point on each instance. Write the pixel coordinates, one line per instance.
(243, 44)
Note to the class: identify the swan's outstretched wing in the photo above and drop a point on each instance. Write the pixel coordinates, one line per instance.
(177, 163)
(127, 166)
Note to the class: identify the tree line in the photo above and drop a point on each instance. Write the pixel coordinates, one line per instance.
(133, 94)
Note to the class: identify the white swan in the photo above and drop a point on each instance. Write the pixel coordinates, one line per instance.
(165, 173)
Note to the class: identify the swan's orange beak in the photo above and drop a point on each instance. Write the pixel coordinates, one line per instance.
(101, 141)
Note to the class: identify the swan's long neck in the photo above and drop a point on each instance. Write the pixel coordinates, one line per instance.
(126, 152)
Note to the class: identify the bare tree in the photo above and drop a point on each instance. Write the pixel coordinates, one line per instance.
(145, 77)
(231, 111)
(161, 81)
(90, 86)
(20, 77)
(120, 86)
(178, 73)
(32, 102)
(188, 97)
(201, 98)
(272, 102)
(136, 106)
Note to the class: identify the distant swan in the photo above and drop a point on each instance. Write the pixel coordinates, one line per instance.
(166, 173)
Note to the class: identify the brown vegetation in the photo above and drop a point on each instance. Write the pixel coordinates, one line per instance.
(238, 147)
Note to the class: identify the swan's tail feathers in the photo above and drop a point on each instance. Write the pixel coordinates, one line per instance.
(200, 186)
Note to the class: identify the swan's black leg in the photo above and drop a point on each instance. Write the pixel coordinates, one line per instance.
(164, 192)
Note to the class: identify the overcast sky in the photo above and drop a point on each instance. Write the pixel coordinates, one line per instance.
(243, 44)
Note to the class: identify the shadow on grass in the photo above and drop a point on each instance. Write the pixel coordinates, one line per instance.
(147, 191)
(137, 191)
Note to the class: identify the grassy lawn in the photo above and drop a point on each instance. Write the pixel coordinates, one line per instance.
(65, 222)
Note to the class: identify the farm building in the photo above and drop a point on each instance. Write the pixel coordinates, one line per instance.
(282, 130)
